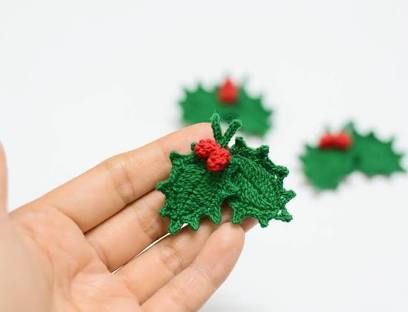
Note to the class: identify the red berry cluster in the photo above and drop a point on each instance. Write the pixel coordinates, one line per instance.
(228, 92)
(342, 141)
(217, 157)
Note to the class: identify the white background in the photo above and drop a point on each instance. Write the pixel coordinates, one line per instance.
(83, 80)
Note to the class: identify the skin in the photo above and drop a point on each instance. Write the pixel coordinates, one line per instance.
(79, 247)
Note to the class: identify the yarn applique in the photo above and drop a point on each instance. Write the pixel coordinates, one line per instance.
(243, 178)
(326, 168)
(231, 102)
(338, 155)
(375, 157)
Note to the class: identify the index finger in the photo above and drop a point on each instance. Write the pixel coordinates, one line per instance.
(107, 188)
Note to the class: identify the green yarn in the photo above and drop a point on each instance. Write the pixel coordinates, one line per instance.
(327, 168)
(259, 183)
(375, 157)
(251, 184)
(193, 192)
(200, 104)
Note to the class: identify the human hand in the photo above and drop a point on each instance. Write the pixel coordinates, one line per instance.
(79, 247)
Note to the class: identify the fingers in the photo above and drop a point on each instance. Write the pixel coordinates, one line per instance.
(104, 190)
(168, 257)
(3, 180)
(129, 232)
(192, 287)
(126, 234)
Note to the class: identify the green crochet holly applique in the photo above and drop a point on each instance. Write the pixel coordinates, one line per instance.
(338, 155)
(259, 186)
(374, 156)
(325, 169)
(212, 174)
(230, 102)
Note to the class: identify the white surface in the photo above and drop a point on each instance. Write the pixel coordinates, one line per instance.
(82, 80)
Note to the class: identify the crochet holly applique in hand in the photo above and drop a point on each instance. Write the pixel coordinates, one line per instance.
(230, 101)
(213, 174)
(339, 154)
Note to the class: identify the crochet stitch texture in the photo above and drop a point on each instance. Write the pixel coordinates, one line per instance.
(199, 104)
(250, 183)
(326, 165)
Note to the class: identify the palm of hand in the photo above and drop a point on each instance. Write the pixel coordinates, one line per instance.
(68, 264)
(79, 248)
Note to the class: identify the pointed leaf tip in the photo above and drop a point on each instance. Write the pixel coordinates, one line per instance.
(263, 150)
(174, 155)
(215, 118)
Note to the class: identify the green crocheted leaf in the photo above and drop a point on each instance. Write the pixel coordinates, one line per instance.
(260, 184)
(199, 105)
(325, 169)
(192, 192)
(250, 183)
(250, 110)
(375, 157)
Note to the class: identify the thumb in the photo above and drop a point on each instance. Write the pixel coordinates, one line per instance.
(3, 180)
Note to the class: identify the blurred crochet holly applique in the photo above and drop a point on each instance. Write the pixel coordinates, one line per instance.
(231, 101)
(339, 154)
(213, 174)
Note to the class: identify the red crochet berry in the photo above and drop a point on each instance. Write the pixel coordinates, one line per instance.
(327, 141)
(218, 159)
(205, 147)
(228, 92)
(343, 141)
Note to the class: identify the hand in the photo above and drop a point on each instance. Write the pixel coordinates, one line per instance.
(80, 247)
